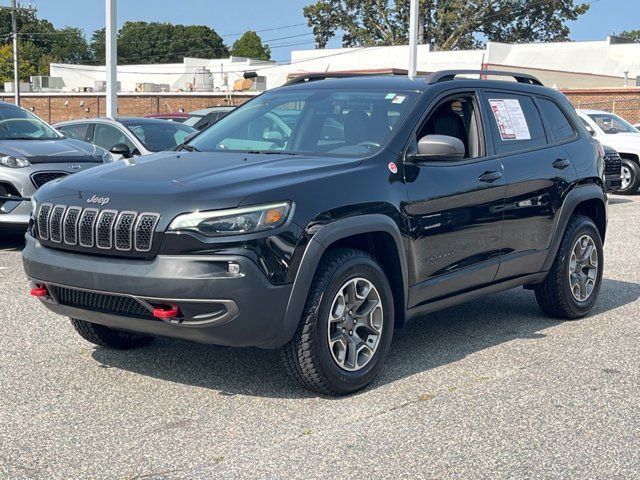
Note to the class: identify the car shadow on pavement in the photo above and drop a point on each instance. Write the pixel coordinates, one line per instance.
(11, 240)
(618, 200)
(426, 343)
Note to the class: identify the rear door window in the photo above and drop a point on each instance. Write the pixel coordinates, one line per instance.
(106, 136)
(515, 122)
(79, 131)
(561, 129)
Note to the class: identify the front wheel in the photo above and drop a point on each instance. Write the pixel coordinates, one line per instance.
(346, 328)
(571, 288)
(630, 177)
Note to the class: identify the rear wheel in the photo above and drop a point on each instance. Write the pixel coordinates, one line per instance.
(571, 288)
(109, 337)
(346, 328)
(630, 173)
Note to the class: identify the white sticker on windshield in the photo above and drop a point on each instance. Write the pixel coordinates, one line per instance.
(512, 124)
(390, 96)
(398, 99)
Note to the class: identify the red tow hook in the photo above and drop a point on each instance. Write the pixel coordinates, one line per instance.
(39, 291)
(163, 313)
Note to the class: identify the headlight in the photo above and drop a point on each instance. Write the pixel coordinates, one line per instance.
(236, 221)
(13, 162)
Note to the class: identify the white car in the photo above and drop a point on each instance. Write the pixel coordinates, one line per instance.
(127, 136)
(615, 132)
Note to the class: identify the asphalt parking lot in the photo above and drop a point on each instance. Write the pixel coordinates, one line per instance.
(490, 389)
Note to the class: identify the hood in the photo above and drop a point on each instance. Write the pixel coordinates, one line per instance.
(63, 150)
(177, 182)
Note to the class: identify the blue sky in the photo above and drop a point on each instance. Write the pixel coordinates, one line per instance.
(230, 17)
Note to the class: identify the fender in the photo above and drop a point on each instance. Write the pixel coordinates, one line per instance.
(311, 258)
(576, 196)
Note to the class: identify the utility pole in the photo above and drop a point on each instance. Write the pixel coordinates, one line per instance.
(111, 57)
(14, 29)
(413, 39)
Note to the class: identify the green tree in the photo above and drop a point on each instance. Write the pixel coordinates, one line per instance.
(144, 43)
(70, 46)
(451, 24)
(250, 45)
(633, 35)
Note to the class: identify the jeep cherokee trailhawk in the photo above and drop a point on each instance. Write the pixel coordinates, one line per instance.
(322, 215)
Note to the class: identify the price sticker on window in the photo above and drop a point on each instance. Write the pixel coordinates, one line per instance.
(512, 124)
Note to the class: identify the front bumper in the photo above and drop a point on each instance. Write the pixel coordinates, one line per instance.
(216, 307)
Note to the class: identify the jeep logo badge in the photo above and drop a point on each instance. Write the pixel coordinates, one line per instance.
(99, 200)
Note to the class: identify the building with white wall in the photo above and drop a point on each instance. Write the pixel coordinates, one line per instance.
(564, 65)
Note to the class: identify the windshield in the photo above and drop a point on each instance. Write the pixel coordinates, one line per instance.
(310, 121)
(612, 124)
(18, 124)
(160, 135)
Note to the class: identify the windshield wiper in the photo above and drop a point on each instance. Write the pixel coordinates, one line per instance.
(271, 152)
(188, 148)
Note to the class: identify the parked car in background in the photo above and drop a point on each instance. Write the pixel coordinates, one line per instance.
(127, 136)
(201, 119)
(617, 133)
(612, 169)
(172, 117)
(32, 153)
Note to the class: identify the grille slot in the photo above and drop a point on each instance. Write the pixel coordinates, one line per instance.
(40, 178)
(55, 223)
(43, 221)
(97, 229)
(145, 226)
(104, 229)
(100, 302)
(87, 222)
(124, 230)
(70, 232)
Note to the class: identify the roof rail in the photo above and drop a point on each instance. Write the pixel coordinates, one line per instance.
(310, 77)
(446, 75)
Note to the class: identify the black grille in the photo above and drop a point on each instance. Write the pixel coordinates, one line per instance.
(43, 221)
(71, 225)
(104, 229)
(100, 302)
(87, 221)
(55, 223)
(40, 178)
(99, 229)
(612, 164)
(144, 231)
(124, 230)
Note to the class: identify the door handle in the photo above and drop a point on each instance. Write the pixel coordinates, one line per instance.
(490, 177)
(561, 163)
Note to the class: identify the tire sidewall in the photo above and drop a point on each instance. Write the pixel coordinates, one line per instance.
(345, 380)
(581, 308)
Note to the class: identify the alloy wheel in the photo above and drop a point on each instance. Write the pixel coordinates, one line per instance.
(625, 177)
(356, 320)
(583, 268)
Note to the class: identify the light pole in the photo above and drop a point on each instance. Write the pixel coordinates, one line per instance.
(413, 39)
(111, 58)
(14, 30)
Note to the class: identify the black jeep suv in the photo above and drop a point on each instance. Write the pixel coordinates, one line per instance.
(320, 216)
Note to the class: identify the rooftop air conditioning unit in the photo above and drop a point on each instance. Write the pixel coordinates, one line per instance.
(101, 86)
(44, 83)
(203, 81)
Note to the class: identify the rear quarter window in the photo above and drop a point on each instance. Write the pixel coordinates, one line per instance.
(514, 121)
(561, 128)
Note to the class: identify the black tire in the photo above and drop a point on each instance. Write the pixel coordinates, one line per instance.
(307, 357)
(109, 337)
(554, 294)
(634, 182)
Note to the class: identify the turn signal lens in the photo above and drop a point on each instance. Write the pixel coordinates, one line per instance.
(275, 215)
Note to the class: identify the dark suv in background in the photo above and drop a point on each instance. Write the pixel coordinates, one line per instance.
(320, 216)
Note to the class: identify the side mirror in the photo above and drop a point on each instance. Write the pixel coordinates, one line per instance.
(438, 148)
(121, 149)
(590, 130)
(274, 136)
